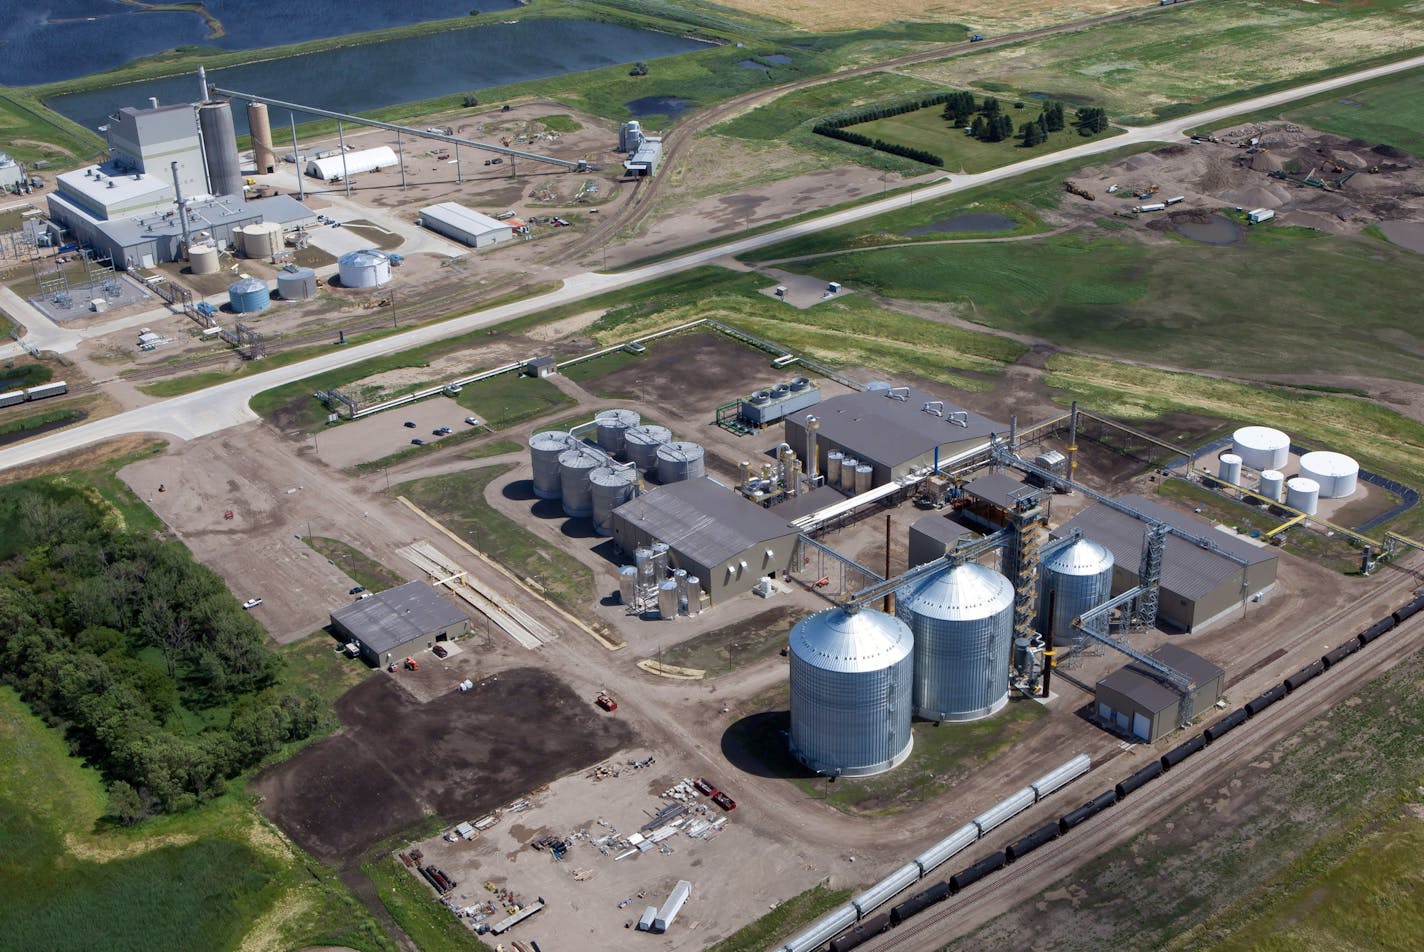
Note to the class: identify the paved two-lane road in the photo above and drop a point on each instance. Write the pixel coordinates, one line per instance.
(226, 405)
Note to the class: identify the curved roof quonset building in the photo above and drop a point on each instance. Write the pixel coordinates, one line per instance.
(851, 674)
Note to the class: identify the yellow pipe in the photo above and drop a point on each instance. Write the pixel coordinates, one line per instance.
(1348, 533)
(1286, 525)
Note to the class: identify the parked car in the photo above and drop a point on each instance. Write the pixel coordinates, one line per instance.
(356, 590)
(472, 421)
(605, 701)
(439, 651)
(363, 595)
(410, 424)
(417, 442)
(252, 603)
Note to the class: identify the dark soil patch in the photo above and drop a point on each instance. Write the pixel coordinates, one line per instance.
(456, 757)
(687, 373)
(77, 416)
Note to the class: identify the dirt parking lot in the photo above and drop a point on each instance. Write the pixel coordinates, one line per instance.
(457, 757)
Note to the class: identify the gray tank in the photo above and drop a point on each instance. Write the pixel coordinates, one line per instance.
(220, 148)
(611, 488)
(963, 622)
(296, 284)
(1071, 581)
(680, 460)
(641, 443)
(544, 451)
(574, 466)
(834, 459)
(848, 468)
(851, 681)
(613, 426)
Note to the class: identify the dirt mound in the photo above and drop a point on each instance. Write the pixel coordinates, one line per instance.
(1389, 151)
(1167, 152)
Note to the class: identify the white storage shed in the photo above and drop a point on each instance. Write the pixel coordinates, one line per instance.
(352, 163)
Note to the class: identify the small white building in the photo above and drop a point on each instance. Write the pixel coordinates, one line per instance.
(10, 172)
(352, 163)
(465, 225)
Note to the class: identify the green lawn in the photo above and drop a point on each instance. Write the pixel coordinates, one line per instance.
(410, 902)
(457, 501)
(31, 132)
(355, 563)
(928, 129)
(511, 398)
(726, 649)
(781, 922)
(1192, 56)
(1389, 111)
(493, 448)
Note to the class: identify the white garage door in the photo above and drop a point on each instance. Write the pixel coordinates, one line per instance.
(1141, 726)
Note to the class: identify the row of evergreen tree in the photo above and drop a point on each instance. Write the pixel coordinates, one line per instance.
(894, 148)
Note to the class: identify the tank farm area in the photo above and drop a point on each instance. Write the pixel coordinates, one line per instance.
(797, 628)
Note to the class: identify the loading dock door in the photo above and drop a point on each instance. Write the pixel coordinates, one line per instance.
(1141, 726)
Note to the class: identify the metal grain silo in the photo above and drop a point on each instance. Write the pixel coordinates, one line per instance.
(611, 488)
(574, 466)
(851, 685)
(680, 460)
(296, 284)
(220, 148)
(1072, 580)
(963, 622)
(613, 426)
(248, 296)
(367, 268)
(641, 444)
(544, 451)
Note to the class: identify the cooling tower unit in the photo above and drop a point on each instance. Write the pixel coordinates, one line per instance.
(641, 444)
(851, 680)
(613, 427)
(1261, 447)
(263, 155)
(296, 284)
(611, 488)
(1336, 473)
(368, 268)
(544, 452)
(963, 622)
(574, 466)
(680, 460)
(248, 296)
(1072, 580)
(220, 148)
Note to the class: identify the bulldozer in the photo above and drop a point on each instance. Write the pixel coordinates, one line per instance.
(1073, 188)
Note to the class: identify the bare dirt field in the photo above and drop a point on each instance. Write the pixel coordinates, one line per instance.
(455, 757)
(1000, 17)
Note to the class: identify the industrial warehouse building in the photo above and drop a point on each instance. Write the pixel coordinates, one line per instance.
(1198, 585)
(718, 536)
(931, 536)
(894, 431)
(1135, 701)
(465, 225)
(398, 622)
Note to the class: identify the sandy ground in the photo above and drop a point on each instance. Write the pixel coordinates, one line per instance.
(1000, 17)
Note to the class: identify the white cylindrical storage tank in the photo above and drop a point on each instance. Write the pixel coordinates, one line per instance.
(248, 296)
(1303, 494)
(848, 467)
(694, 595)
(613, 426)
(1072, 580)
(627, 584)
(544, 451)
(611, 488)
(833, 467)
(680, 577)
(667, 599)
(680, 460)
(1273, 483)
(863, 477)
(643, 558)
(1261, 447)
(1228, 469)
(851, 684)
(963, 623)
(660, 559)
(298, 284)
(203, 259)
(641, 443)
(574, 466)
(368, 268)
(1335, 473)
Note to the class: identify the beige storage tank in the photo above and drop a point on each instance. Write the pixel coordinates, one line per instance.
(203, 259)
(261, 240)
(263, 155)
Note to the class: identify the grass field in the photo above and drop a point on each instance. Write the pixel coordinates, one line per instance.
(1311, 846)
(1390, 111)
(429, 924)
(725, 650)
(1115, 295)
(781, 922)
(31, 132)
(457, 501)
(510, 398)
(928, 129)
(1193, 55)
(355, 563)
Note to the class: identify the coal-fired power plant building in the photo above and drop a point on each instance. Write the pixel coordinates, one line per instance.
(851, 675)
(962, 619)
(892, 431)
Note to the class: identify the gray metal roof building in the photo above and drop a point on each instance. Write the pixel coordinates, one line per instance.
(1198, 585)
(717, 535)
(392, 624)
(892, 431)
(931, 535)
(1135, 702)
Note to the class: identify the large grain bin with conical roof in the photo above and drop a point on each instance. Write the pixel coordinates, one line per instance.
(1072, 580)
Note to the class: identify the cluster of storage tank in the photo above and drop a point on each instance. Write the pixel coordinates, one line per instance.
(858, 676)
(593, 479)
(848, 474)
(1323, 475)
(649, 584)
